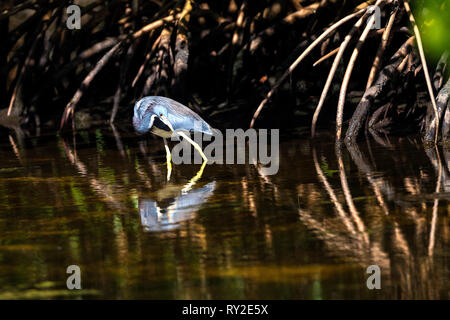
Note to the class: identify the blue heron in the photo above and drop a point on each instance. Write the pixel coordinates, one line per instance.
(163, 117)
(172, 207)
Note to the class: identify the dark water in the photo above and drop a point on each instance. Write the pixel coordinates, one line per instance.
(100, 200)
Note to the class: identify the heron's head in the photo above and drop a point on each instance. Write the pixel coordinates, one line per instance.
(146, 111)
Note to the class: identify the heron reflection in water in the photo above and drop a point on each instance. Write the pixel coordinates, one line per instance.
(172, 206)
(165, 118)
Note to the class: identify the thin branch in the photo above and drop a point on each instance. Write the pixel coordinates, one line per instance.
(327, 56)
(9, 12)
(154, 25)
(425, 67)
(69, 110)
(333, 69)
(300, 59)
(348, 73)
(146, 60)
(332, 53)
(28, 60)
(303, 13)
(70, 107)
(384, 41)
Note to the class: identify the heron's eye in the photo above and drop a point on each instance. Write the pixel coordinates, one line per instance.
(161, 114)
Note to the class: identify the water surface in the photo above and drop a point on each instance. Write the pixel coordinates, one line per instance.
(100, 200)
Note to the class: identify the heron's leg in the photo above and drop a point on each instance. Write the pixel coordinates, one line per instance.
(192, 182)
(168, 159)
(195, 144)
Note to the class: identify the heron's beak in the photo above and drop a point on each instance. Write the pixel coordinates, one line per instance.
(166, 122)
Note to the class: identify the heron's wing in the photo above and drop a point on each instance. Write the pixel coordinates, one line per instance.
(183, 118)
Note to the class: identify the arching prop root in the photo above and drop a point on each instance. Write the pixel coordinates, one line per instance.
(377, 81)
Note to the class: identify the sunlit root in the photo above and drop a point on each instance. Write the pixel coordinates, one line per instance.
(425, 67)
(384, 42)
(305, 53)
(348, 73)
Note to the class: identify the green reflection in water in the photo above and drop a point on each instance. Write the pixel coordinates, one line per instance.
(101, 201)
